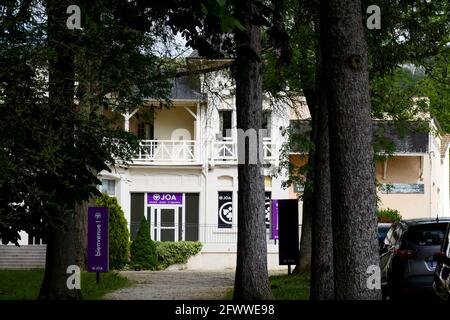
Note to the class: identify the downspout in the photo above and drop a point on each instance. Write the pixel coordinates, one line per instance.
(430, 152)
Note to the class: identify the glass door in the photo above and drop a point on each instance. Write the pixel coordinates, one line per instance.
(164, 223)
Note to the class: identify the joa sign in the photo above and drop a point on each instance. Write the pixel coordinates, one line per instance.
(164, 198)
(98, 239)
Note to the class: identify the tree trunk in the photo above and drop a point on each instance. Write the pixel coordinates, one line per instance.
(61, 244)
(61, 253)
(322, 277)
(252, 280)
(80, 231)
(304, 259)
(353, 194)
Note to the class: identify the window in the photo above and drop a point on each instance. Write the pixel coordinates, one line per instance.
(225, 123)
(266, 124)
(145, 131)
(108, 186)
(430, 234)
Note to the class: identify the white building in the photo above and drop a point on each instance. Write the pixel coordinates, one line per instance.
(184, 179)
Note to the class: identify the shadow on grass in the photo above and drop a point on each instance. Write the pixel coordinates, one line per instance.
(286, 287)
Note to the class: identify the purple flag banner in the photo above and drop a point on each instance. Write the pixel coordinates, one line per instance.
(274, 219)
(98, 239)
(164, 198)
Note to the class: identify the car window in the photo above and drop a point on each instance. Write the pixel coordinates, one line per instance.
(382, 232)
(429, 234)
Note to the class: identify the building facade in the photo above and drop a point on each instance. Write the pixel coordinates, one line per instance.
(183, 178)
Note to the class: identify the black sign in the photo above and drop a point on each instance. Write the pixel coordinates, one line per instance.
(268, 208)
(288, 231)
(225, 209)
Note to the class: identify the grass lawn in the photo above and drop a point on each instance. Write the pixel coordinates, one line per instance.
(25, 284)
(286, 287)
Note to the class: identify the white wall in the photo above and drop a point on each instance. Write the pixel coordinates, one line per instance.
(168, 120)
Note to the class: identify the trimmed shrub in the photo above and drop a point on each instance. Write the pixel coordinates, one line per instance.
(119, 243)
(388, 215)
(143, 249)
(169, 253)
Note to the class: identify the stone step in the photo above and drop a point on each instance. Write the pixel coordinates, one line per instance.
(26, 254)
(24, 257)
(22, 266)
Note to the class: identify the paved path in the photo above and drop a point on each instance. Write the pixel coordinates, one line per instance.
(175, 285)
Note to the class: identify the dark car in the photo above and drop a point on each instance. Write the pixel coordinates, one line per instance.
(441, 283)
(406, 258)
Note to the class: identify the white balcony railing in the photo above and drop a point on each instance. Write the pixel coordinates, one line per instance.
(226, 151)
(166, 151)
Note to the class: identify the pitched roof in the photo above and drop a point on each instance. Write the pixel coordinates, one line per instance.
(445, 142)
(186, 88)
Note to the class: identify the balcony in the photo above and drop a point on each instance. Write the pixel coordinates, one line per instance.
(225, 152)
(161, 152)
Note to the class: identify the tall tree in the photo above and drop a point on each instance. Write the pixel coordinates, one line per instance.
(322, 272)
(61, 240)
(251, 281)
(352, 173)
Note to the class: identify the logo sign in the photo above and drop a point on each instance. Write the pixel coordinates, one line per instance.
(267, 208)
(225, 212)
(164, 198)
(274, 219)
(98, 239)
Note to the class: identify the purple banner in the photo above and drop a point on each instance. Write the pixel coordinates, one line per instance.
(164, 198)
(98, 239)
(274, 219)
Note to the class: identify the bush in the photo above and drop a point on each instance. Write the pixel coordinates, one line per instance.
(388, 215)
(143, 249)
(169, 253)
(119, 236)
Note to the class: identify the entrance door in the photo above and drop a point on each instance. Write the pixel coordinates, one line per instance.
(164, 223)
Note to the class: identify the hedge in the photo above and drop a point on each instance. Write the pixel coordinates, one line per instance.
(169, 253)
(388, 215)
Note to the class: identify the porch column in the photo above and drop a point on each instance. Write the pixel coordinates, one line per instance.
(197, 133)
(234, 125)
(126, 116)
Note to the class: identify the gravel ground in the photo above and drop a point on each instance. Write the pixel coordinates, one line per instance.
(175, 285)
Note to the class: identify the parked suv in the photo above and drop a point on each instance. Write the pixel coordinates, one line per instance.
(406, 258)
(441, 283)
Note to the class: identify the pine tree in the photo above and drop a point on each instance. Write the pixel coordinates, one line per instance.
(143, 249)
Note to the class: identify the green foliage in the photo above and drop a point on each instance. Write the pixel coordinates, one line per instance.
(169, 253)
(388, 215)
(436, 86)
(50, 156)
(119, 235)
(143, 249)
